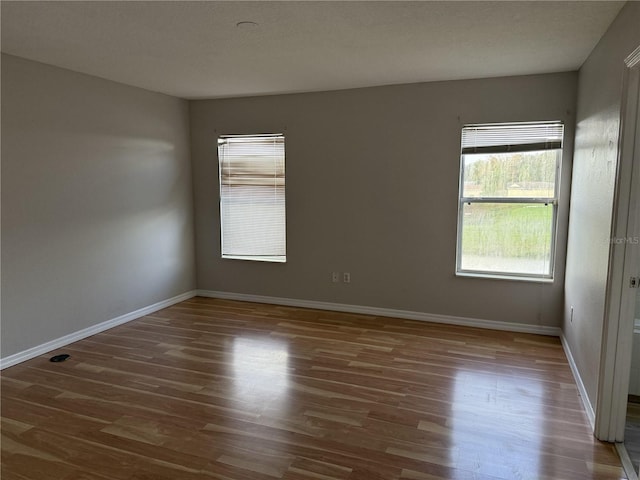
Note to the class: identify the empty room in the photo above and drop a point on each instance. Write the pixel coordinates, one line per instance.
(328, 240)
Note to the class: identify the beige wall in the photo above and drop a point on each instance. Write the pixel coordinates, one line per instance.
(596, 151)
(372, 186)
(96, 201)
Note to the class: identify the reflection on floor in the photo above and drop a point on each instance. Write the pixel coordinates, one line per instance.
(215, 389)
(632, 431)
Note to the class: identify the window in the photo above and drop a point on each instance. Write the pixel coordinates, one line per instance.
(252, 197)
(509, 180)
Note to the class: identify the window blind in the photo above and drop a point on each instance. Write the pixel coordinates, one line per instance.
(252, 196)
(520, 137)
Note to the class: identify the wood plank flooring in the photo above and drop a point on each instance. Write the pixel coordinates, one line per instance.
(214, 389)
(632, 433)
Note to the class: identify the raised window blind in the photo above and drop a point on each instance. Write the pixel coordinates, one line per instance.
(515, 137)
(252, 197)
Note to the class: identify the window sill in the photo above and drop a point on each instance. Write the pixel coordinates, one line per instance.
(516, 278)
(273, 259)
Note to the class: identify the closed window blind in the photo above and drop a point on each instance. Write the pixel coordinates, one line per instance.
(252, 197)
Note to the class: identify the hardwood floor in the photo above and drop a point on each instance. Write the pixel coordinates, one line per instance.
(632, 433)
(230, 390)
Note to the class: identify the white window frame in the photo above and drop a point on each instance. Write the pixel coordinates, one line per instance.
(553, 201)
(274, 258)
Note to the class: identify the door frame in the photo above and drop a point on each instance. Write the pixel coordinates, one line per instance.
(624, 261)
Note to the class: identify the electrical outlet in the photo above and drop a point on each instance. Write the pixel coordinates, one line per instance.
(346, 277)
(335, 277)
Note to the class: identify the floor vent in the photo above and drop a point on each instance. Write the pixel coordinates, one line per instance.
(59, 358)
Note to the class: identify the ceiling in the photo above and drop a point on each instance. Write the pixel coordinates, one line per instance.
(195, 50)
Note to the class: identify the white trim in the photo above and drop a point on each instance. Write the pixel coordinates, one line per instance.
(257, 258)
(615, 358)
(582, 391)
(501, 276)
(87, 332)
(627, 464)
(386, 312)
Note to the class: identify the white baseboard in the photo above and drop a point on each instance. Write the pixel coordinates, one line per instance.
(87, 332)
(386, 312)
(627, 464)
(581, 388)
